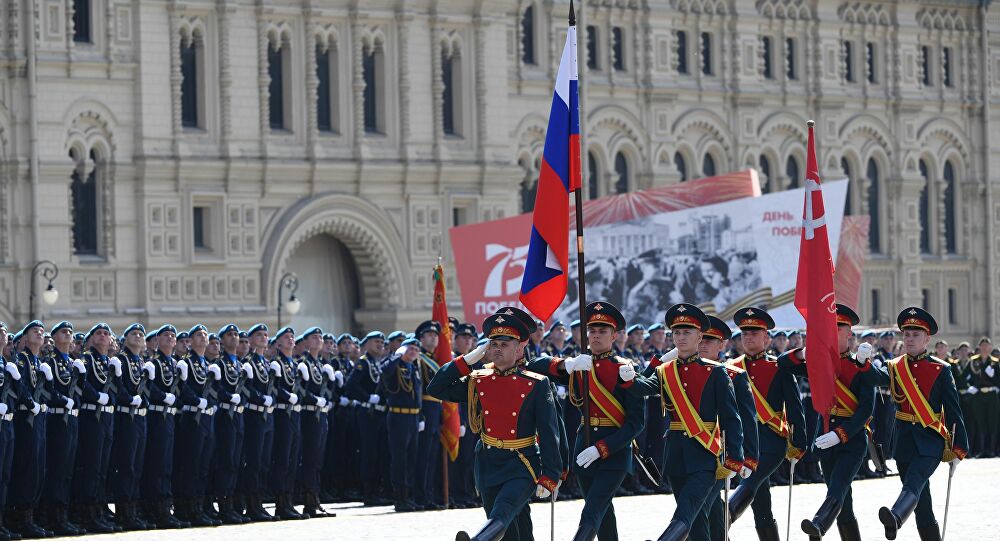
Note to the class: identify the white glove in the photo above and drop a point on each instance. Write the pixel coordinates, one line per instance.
(374, 399)
(827, 440)
(330, 373)
(865, 353)
(588, 456)
(235, 399)
(730, 475)
(542, 492)
(973, 390)
(877, 363)
(420, 426)
(136, 401)
(344, 401)
(320, 402)
(79, 366)
(461, 431)
(669, 356)
(303, 370)
(579, 363)
(13, 371)
(399, 351)
(118, 366)
(561, 392)
(248, 370)
(169, 399)
(276, 368)
(953, 463)
(182, 367)
(103, 398)
(626, 372)
(475, 355)
(150, 370)
(745, 472)
(793, 461)
(989, 371)
(268, 401)
(3, 408)
(36, 408)
(47, 370)
(202, 403)
(69, 403)
(215, 371)
(293, 398)
(339, 377)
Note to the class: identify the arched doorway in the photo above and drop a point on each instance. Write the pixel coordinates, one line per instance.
(328, 285)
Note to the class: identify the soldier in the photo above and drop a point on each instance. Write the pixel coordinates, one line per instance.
(845, 446)
(195, 432)
(883, 419)
(244, 346)
(287, 434)
(616, 417)
(401, 385)
(258, 421)
(9, 381)
(393, 342)
(62, 433)
(229, 424)
(28, 468)
(157, 479)
(982, 374)
(183, 345)
(343, 427)
(633, 343)
(129, 444)
(329, 477)
(778, 405)
(428, 444)
(561, 346)
(315, 408)
(513, 412)
(656, 422)
(691, 390)
(929, 424)
(362, 385)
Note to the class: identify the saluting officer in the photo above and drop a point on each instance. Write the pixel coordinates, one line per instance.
(778, 405)
(362, 385)
(929, 424)
(843, 449)
(514, 414)
(128, 449)
(315, 408)
(287, 429)
(616, 417)
(428, 442)
(403, 390)
(698, 396)
(258, 419)
(229, 424)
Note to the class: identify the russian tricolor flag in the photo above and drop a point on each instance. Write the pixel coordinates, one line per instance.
(543, 287)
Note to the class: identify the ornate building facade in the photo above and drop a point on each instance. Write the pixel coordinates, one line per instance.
(176, 159)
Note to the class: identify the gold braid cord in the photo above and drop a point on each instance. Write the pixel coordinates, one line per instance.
(404, 384)
(575, 398)
(475, 418)
(897, 394)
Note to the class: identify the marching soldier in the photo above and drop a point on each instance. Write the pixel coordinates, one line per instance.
(157, 479)
(62, 432)
(401, 385)
(428, 443)
(929, 424)
(195, 432)
(258, 420)
(513, 412)
(315, 408)
(782, 433)
(128, 449)
(985, 411)
(699, 398)
(616, 417)
(845, 446)
(9, 381)
(287, 428)
(229, 424)
(394, 341)
(362, 385)
(561, 346)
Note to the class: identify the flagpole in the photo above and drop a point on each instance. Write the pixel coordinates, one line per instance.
(580, 271)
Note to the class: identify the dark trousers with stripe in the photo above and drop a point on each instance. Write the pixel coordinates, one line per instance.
(504, 502)
(191, 449)
(29, 461)
(599, 488)
(314, 430)
(402, 429)
(158, 470)
(257, 442)
(691, 493)
(285, 454)
(61, 435)
(428, 454)
(839, 468)
(372, 458)
(228, 452)
(6, 458)
(915, 475)
(128, 452)
(760, 489)
(709, 522)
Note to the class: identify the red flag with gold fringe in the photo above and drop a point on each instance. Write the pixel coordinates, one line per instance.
(450, 421)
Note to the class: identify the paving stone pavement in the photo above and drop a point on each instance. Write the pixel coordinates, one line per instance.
(974, 515)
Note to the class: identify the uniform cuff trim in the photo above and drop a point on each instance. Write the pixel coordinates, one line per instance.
(603, 449)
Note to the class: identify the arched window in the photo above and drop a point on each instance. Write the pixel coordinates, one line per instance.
(192, 64)
(529, 186)
(681, 166)
(706, 53)
(874, 231)
(84, 192)
(950, 238)
(708, 166)
(451, 103)
(621, 173)
(528, 36)
(845, 166)
(593, 177)
(792, 172)
(327, 89)
(372, 69)
(593, 60)
(278, 68)
(765, 173)
(923, 210)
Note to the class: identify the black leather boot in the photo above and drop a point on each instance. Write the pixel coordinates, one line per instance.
(313, 507)
(739, 501)
(677, 530)
(894, 518)
(930, 533)
(585, 533)
(493, 530)
(226, 512)
(6, 534)
(255, 511)
(849, 530)
(403, 505)
(769, 532)
(284, 509)
(165, 520)
(821, 523)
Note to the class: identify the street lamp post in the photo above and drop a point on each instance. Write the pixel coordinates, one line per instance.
(49, 271)
(289, 281)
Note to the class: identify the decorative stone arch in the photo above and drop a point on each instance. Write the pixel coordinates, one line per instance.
(279, 34)
(775, 164)
(689, 154)
(372, 39)
(610, 123)
(698, 127)
(602, 159)
(719, 156)
(191, 30)
(530, 137)
(327, 37)
(91, 146)
(364, 228)
(871, 130)
(947, 134)
(624, 146)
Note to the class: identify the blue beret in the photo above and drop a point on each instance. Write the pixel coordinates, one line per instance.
(16, 338)
(372, 335)
(60, 326)
(395, 334)
(656, 327)
(196, 328)
(212, 336)
(299, 339)
(78, 336)
(556, 323)
(345, 336)
(311, 331)
(257, 328)
(166, 328)
(411, 342)
(32, 325)
(243, 334)
(229, 328)
(410, 335)
(329, 336)
(635, 327)
(887, 334)
(133, 327)
(546, 334)
(284, 330)
(150, 335)
(182, 335)
(270, 341)
(96, 328)
(575, 323)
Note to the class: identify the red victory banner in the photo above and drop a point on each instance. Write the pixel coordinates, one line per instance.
(450, 422)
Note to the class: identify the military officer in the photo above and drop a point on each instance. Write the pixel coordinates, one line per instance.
(128, 448)
(428, 443)
(561, 346)
(9, 383)
(698, 396)
(929, 424)
(287, 428)
(394, 341)
(229, 424)
(633, 345)
(845, 446)
(403, 390)
(782, 433)
(604, 456)
(362, 385)
(984, 370)
(258, 421)
(514, 413)
(315, 408)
